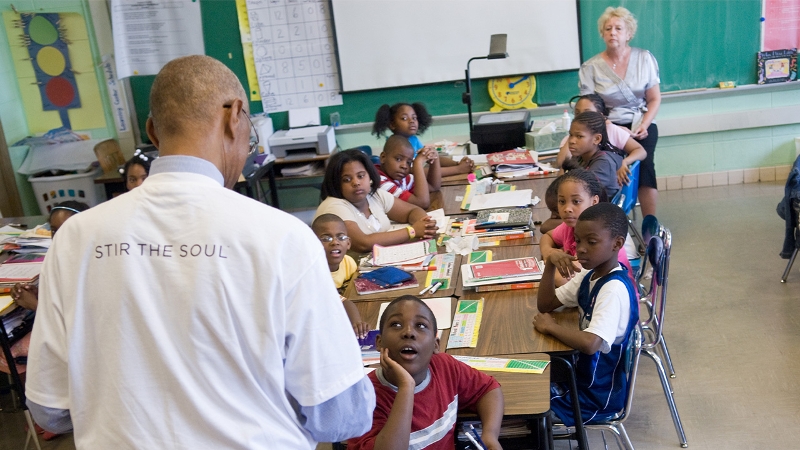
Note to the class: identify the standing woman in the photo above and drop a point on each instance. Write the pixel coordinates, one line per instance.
(627, 79)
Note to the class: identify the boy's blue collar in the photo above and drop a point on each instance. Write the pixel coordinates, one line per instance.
(417, 388)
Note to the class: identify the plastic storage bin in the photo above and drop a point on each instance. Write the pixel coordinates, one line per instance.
(79, 187)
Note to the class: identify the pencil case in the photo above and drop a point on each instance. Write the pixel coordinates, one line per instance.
(387, 276)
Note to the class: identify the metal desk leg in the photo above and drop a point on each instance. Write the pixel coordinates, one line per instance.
(564, 369)
(273, 187)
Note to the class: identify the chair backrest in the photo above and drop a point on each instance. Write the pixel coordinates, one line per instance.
(655, 295)
(627, 196)
(632, 353)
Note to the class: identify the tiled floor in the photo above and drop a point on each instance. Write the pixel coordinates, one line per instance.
(732, 328)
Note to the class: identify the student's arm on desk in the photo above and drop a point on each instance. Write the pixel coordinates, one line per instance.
(450, 167)
(490, 410)
(434, 173)
(421, 193)
(544, 323)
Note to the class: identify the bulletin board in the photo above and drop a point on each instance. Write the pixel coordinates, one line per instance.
(53, 63)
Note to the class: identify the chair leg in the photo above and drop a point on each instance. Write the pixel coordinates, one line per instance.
(789, 266)
(667, 358)
(673, 409)
(31, 432)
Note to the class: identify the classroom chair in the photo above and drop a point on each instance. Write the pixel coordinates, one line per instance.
(657, 256)
(626, 198)
(796, 230)
(16, 382)
(368, 151)
(616, 424)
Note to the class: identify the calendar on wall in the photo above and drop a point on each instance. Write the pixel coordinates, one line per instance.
(294, 53)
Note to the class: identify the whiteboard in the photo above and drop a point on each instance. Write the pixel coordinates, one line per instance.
(388, 43)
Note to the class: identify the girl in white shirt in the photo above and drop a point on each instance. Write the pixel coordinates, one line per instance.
(350, 191)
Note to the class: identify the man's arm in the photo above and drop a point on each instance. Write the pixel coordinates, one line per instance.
(54, 420)
(343, 416)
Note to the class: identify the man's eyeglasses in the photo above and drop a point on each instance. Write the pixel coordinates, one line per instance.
(327, 239)
(253, 140)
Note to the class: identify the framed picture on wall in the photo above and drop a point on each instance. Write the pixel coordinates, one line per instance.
(777, 66)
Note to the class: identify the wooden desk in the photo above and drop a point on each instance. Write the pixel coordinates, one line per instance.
(513, 310)
(455, 180)
(29, 221)
(352, 295)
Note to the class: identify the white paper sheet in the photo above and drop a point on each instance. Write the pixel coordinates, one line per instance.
(503, 199)
(440, 307)
(308, 131)
(149, 34)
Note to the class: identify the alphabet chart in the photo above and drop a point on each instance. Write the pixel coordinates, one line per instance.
(294, 53)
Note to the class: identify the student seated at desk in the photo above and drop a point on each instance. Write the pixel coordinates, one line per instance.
(551, 200)
(27, 295)
(136, 170)
(619, 137)
(350, 191)
(403, 174)
(609, 310)
(419, 391)
(332, 233)
(408, 120)
(577, 190)
(588, 144)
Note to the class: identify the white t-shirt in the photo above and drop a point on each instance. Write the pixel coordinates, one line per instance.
(183, 315)
(612, 308)
(379, 205)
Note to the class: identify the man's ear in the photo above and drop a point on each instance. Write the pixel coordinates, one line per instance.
(232, 121)
(151, 131)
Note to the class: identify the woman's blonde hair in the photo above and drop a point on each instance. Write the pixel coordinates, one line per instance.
(621, 13)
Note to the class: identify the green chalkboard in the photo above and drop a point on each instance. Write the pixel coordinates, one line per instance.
(697, 43)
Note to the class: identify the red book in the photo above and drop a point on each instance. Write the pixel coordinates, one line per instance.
(510, 157)
(507, 268)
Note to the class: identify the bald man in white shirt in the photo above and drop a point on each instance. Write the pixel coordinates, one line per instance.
(184, 315)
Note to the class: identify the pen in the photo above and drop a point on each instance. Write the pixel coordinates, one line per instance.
(472, 439)
(436, 287)
(17, 225)
(476, 435)
(426, 289)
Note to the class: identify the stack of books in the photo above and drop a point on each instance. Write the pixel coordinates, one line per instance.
(518, 273)
(499, 224)
(410, 257)
(36, 240)
(20, 272)
(516, 163)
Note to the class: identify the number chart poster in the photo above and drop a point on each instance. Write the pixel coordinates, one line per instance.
(294, 53)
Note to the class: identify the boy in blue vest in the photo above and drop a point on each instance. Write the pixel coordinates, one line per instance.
(606, 298)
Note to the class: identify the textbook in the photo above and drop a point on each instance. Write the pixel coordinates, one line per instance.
(510, 160)
(505, 268)
(20, 273)
(506, 271)
(507, 286)
(364, 286)
(504, 217)
(476, 189)
(403, 254)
